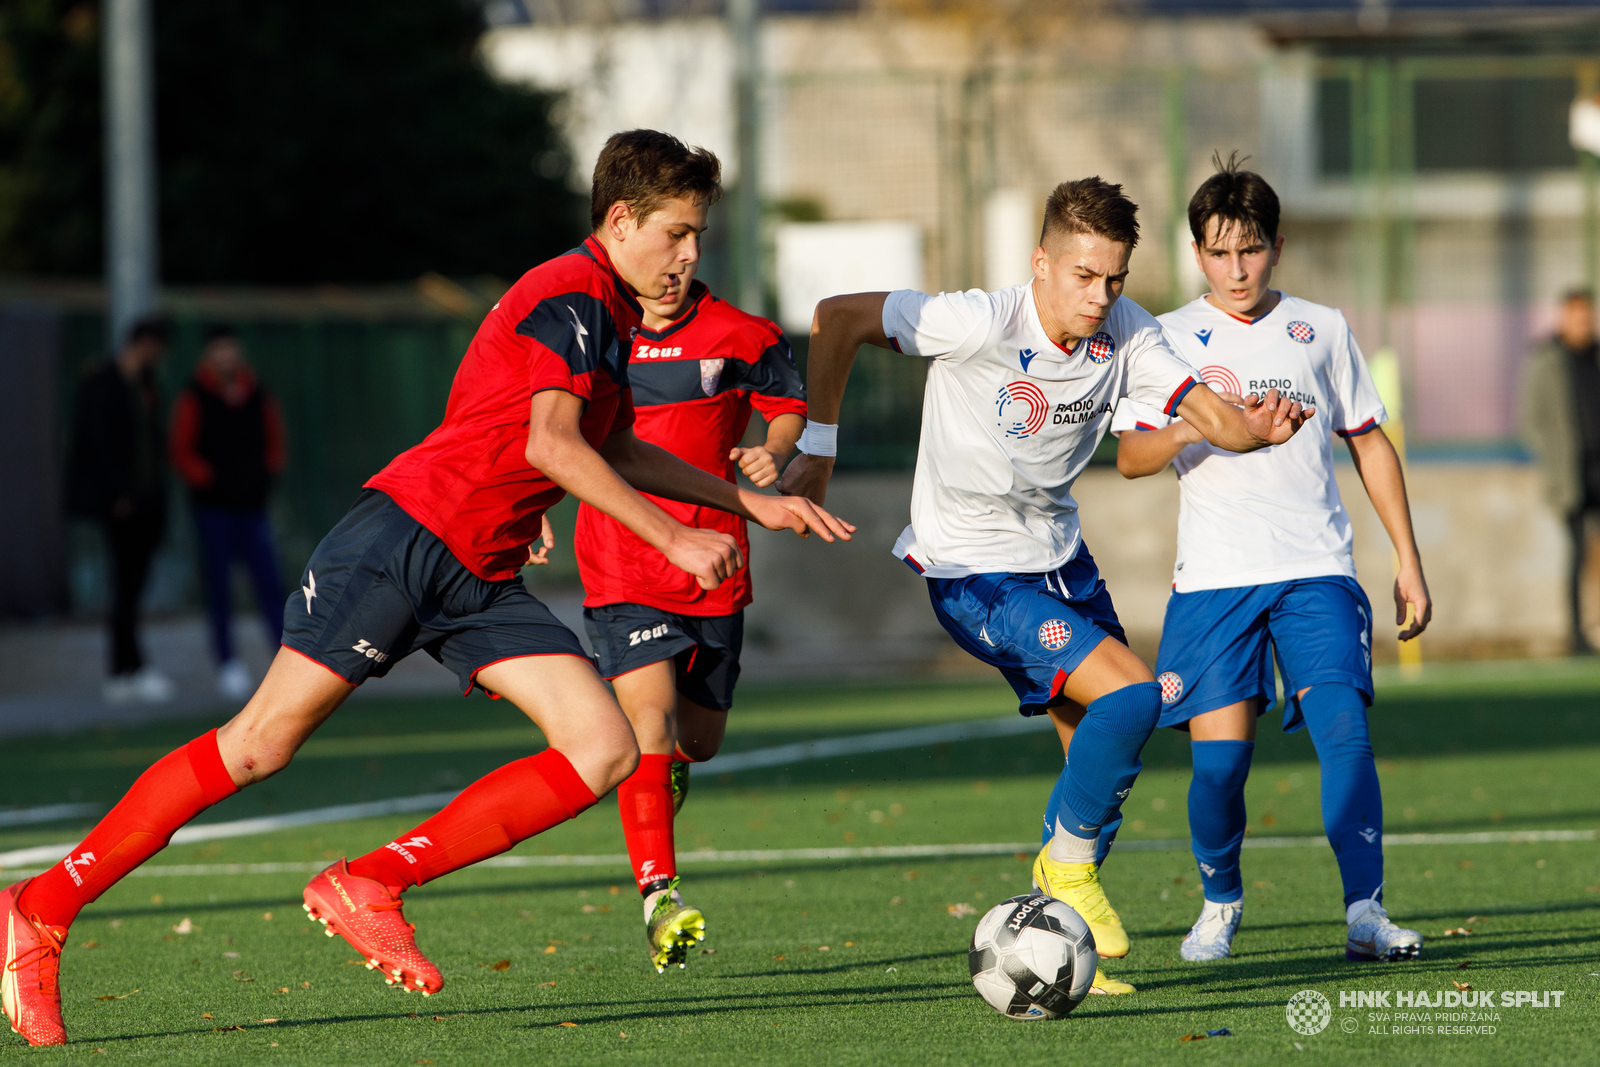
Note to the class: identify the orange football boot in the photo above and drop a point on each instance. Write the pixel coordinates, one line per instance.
(30, 981)
(366, 913)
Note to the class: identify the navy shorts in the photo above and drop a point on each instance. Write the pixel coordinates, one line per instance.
(1217, 645)
(704, 648)
(380, 586)
(1036, 628)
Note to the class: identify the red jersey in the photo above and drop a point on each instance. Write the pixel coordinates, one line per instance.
(694, 384)
(564, 325)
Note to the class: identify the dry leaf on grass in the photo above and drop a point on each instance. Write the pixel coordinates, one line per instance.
(184, 926)
(114, 996)
(240, 976)
(588, 909)
(1459, 931)
(549, 950)
(285, 989)
(265, 1022)
(88, 944)
(566, 1024)
(961, 911)
(1463, 965)
(1465, 987)
(708, 952)
(547, 983)
(208, 1015)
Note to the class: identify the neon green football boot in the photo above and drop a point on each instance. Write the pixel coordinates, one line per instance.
(679, 783)
(1078, 884)
(672, 927)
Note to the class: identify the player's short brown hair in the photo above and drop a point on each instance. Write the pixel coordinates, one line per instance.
(1234, 195)
(645, 168)
(1090, 205)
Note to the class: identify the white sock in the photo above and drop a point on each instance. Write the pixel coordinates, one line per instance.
(1070, 848)
(1359, 906)
(1214, 908)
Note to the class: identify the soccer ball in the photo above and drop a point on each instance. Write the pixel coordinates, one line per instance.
(1032, 957)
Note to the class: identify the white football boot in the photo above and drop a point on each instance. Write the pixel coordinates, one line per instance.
(1372, 936)
(1211, 938)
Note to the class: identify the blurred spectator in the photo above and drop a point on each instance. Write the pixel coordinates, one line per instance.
(228, 446)
(117, 477)
(1561, 426)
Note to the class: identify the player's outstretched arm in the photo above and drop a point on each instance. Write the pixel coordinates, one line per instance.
(1379, 467)
(1259, 422)
(652, 469)
(557, 448)
(1141, 453)
(840, 326)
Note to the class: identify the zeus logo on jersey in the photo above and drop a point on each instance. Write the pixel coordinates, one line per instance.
(647, 352)
(367, 649)
(649, 634)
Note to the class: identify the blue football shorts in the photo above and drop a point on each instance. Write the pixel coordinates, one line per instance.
(1036, 628)
(1217, 645)
(381, 586)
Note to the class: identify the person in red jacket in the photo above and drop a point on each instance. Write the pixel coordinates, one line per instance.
(228, 445)
(670, 647)
(429, 559)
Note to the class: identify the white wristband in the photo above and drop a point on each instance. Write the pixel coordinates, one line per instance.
(820, 439)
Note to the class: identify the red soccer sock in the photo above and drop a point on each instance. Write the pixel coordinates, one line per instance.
(503, 807)
(178, 787)
(645, 802)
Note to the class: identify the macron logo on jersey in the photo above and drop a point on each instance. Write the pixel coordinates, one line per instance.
(1025, 357)
(1204, 335)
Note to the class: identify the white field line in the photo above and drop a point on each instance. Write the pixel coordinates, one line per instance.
(48, 813)
(776, 756)
(769, 855)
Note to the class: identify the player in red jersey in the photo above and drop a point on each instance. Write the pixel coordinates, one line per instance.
(429, 558)
(669, 646)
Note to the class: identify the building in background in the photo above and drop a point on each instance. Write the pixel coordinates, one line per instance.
(1420, 147)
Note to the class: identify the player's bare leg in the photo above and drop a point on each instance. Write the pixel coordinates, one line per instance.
(591, 751)
(1116, 692)
(672, 731)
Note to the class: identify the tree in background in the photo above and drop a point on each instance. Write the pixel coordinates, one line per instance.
(299, 142)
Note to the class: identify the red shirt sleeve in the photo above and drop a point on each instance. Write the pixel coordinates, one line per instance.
(182, 442)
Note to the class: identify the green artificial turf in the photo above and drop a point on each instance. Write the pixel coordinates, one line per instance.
(1458, 752)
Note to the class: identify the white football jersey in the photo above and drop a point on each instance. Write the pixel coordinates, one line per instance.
(1275, 514)
(1009, 419)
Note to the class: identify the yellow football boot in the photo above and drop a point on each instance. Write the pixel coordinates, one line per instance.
(1078, 884)
(672, 928)
(1109, 986)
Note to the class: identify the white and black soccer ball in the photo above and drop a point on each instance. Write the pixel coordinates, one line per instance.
(1032, 957)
